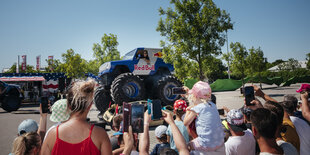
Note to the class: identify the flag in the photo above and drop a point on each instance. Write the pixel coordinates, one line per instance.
(17, 65)
(50, 62)
(38, 62)
(24, 62)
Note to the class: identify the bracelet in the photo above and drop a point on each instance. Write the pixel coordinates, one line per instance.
(146, 124)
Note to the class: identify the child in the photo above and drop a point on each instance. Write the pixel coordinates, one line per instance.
(160, 133)
(179, 109)
(208, 123)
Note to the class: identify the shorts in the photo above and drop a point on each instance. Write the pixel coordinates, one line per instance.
(194, 145)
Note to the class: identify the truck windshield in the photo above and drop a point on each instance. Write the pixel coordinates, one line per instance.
(130, 55)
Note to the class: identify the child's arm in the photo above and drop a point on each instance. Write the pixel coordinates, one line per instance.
(189, 117)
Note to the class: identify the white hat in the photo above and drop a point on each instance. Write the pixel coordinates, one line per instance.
(160, 130)
(59, 111)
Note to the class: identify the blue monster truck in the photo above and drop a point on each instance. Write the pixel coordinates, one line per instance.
(10, 96)
(142, 74)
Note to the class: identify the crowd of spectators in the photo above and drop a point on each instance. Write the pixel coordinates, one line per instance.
(194, 127)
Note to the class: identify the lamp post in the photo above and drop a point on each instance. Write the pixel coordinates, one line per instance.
(228, 56)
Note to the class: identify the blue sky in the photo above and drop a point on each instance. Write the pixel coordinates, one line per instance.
(50, 27)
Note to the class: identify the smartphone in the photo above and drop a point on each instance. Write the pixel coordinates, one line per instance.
(221, 111)
(149, 107)
(44, 102)
(178, 90)
(137, 117)
(126, 116)
(249, 95)
(156, 110)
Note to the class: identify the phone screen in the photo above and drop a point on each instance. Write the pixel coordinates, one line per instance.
(137, 115)
(178, 90)
(221, 111)
(249, 95)
(44, 102)
(156, 110)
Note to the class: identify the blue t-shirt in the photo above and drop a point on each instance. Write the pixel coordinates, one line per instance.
(158, 147)
(208, 125)
(183, 131)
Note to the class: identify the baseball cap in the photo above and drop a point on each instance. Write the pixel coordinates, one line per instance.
(26, 126)
(160, 130)
(180, 104)
(235, 120)
(59, 111)
(201, 90)
(303, 87)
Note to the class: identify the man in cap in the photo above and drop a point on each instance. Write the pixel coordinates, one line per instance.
(241, 140)
(161, 136)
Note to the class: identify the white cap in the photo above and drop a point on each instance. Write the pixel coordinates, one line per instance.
(160, 130)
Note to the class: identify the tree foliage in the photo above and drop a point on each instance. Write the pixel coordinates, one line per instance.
(256, 61)
(239, 64)
(73, 65)
(29, 69)
(53, 66)
(107, 51)
(194, 30)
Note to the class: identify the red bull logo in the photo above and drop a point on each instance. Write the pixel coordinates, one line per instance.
(158, 54)
(145, 67)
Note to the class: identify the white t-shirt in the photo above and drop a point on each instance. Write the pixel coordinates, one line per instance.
(303, 131)
(288, 148)
(241, 145)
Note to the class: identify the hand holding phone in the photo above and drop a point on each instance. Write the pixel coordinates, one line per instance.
(44, 103)
(249, 95)
(178, 90)
(221, 111)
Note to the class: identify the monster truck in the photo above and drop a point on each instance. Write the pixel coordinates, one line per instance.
(142, 74)
(10, 96)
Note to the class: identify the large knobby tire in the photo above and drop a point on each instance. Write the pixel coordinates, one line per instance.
(127, 88)
(164, 89)
(102, 99)
(11, 103)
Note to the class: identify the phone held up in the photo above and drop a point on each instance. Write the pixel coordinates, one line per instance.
(178, 90)
(154, 108)
(249, 95)
(133, 115)
(44, 103)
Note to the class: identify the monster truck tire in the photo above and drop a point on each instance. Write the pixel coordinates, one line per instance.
(102, 99)
(127, 87)
(11, 103)
(164, 89)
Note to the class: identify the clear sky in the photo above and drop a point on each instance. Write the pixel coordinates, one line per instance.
(51, 27)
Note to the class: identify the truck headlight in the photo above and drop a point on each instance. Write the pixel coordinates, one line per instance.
(105, 66)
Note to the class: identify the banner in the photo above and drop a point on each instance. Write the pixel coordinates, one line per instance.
(17, 65)
(24, 62)
(38, 62)
(50, 62)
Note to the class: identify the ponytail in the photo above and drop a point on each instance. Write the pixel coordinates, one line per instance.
(23, 144)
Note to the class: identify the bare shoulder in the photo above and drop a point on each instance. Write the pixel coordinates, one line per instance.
(49, 142)
(99, 133)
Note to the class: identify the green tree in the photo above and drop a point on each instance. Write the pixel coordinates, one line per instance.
(290, 65)
(256, 63)
(29, 69)
(195, 29)
(92, 66)
(53, 66)
(239, 64)
(108, 51)
(215, 69)
(73, 65)
(184, 68)
(308, 60)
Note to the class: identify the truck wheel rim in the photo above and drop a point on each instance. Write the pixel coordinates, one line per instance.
(131, 89)
(168, 91)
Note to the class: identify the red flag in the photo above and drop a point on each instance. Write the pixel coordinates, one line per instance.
(24, 62)
(38, 62)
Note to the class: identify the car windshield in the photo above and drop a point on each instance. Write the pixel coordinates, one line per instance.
(129, 56)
